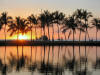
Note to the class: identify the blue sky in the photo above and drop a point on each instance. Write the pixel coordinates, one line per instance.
(26, 7)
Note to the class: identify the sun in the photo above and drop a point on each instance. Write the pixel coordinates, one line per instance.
(22, 37)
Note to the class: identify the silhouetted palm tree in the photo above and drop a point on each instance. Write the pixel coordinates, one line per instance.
(86, 16)
(45, 19)
(52, 24)
(48, 20)
(33, 22)
(1, 23)
(70, 24)
(22, 27)
(96, 23)
(5, 21)
(58, 17)
(79, 15)
(14, 28)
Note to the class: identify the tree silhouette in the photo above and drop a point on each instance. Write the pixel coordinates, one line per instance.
(1, 23)
(58, 17)
(79, 15)
(96, 23)
(5, 20)
(43, 21)
(33, 22)
(86, 16)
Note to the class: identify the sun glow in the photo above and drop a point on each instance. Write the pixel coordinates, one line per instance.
(22, 37)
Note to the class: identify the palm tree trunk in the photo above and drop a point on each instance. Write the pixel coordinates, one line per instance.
(44, 30)
(79, 42)
(96, 45)
(5, 44)
(85, 35)
(48, 32)
(58, 32)
(96, 34)
(80, 36)
(85, 42)
(41, 32)
(52, 33)
(35, 33)
(65, 35)
(73, 43)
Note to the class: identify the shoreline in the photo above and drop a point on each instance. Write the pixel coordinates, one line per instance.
(48, 43)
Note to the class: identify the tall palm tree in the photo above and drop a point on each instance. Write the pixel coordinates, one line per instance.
(33, 21)
(70, 24)
(79, 15)
(52, 24)
(24, 28)
(5, 21)
(86, 16)
(1, 23)
(96, 23)
(58, 17)
(45, 19)
(14, 28)
(48, 20)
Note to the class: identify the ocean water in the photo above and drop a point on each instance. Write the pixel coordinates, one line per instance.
(50, 60)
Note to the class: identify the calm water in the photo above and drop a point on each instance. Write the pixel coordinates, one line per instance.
(50, 60)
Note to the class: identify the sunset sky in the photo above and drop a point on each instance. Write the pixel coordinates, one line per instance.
(25, 8)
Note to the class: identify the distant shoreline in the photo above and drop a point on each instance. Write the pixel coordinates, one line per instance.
(51, 43)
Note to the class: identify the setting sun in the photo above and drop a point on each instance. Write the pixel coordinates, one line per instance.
(22, 37)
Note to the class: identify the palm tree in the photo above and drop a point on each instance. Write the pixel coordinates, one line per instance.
(79, 15)
(33, 21)
(86, 16)
(52, 23)
(48, 20)
(1, 23)
(24, 28)
(45, 19)
(96, 23)
(70, 24)
(14, 28)
(5, 19)
(58, 17)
